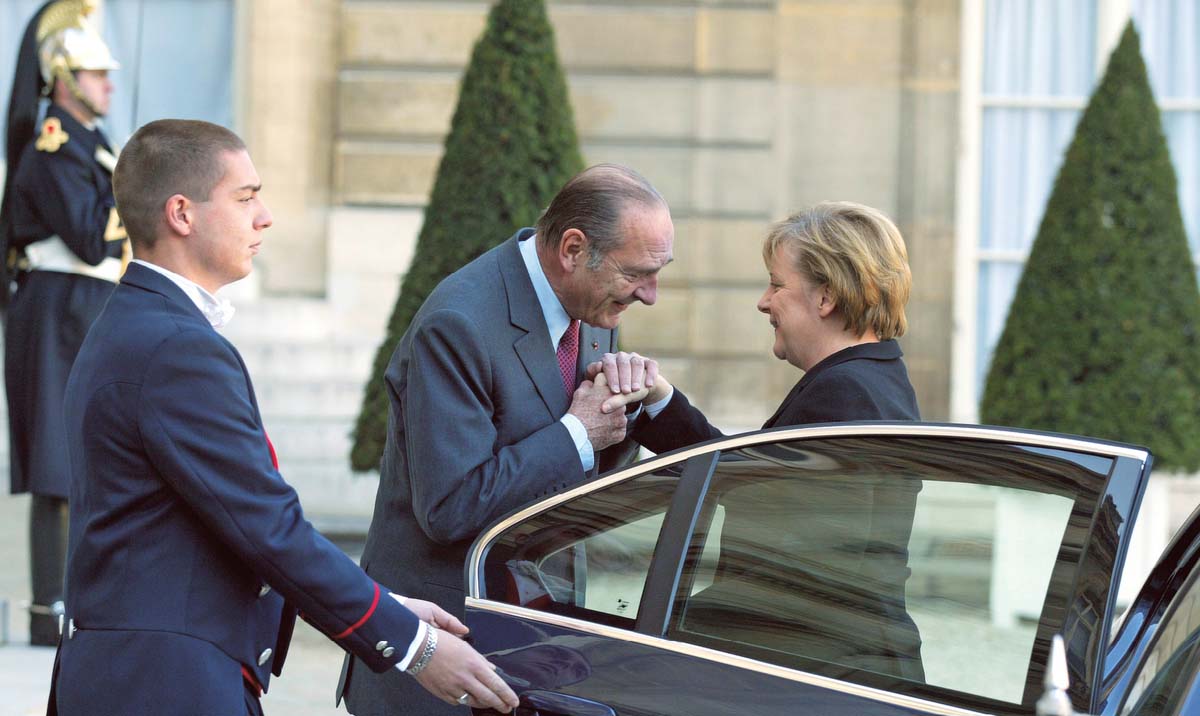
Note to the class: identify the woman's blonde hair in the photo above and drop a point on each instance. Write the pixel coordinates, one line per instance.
(858, 253)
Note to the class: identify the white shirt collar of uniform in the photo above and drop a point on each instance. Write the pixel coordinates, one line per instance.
(556, 316)
(218, 311)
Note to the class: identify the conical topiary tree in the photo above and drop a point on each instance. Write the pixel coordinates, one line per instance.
(1102, 335)
(511, 145)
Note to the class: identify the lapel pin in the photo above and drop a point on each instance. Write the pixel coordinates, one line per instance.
(595, 345)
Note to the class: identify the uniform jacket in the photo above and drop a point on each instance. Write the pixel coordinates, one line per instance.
(473, 433)
(65, 190)
(189, 554)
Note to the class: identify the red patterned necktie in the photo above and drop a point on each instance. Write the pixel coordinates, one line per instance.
(568, 356)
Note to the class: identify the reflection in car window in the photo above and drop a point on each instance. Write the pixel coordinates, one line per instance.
(927, 562)
(1168, 672)
(588, 557)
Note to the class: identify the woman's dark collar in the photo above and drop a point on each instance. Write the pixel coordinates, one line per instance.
(875, 350)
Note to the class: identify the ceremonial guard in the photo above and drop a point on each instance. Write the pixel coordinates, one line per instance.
(65, 248)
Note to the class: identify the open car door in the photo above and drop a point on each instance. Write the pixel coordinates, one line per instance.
(844, 569)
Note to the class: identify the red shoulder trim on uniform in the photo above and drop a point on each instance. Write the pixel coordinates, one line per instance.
(252, 682)
(363, 620)
(271, 447)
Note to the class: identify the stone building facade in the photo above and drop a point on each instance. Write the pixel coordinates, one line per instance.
(738, 111)
(949, 115)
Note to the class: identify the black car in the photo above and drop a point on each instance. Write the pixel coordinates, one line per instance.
(868, 569)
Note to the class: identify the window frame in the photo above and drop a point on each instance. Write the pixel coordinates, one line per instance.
(1065, 574)
(1111, 17)
(1099, 569)
(666, 562)
(1190, 690)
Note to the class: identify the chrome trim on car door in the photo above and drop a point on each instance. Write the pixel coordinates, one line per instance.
(913, 430)
(700, 652)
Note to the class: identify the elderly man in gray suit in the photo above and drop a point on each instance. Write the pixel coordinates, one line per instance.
(489, 409)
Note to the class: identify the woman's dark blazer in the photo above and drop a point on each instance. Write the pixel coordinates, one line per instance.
(864, 382)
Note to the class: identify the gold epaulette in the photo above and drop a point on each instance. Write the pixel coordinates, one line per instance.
(52, 137)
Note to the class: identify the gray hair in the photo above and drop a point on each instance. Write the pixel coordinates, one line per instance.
(593, 202)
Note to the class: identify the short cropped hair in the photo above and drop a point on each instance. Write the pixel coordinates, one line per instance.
(593, 202)
(164, 158)
(858, 253)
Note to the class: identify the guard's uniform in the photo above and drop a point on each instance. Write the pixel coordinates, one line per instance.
(62, 248)
(66, 230)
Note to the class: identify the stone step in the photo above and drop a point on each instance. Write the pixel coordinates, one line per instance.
(292, 398)
(355, 310)
(310, 439)
(286, 318)
(330, 492)
(315, 359)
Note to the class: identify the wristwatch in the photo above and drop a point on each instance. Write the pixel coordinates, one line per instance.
(426, 654)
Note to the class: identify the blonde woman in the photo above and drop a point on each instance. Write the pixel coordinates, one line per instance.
(838, 283)
(839, 279)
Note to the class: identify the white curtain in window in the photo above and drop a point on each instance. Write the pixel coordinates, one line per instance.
(1039, 48)
(178, 53)
(1022, 151)
(997, 284)
(1036, 55)
(1170, 31)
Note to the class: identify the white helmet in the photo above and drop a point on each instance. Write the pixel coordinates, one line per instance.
(67, 42)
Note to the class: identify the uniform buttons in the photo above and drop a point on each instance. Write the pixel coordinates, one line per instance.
(381, 646)
(262, 658)
(387, 653)
(264, 591)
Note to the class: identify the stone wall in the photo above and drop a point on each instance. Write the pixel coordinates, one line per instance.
(738, 112)
(287, 66)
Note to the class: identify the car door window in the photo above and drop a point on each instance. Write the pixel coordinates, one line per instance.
(889, 561)
(588, 557)
(1168, 673)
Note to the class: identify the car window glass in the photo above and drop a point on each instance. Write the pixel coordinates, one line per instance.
(1168, 672)
(588, 557)
(883, 561)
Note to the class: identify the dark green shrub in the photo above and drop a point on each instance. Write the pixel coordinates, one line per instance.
(511, 145)
(1101, 339)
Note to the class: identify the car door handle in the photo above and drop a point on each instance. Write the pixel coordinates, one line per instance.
(552, 703)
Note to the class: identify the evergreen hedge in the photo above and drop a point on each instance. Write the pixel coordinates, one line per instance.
(511, 146)
(1102, 336)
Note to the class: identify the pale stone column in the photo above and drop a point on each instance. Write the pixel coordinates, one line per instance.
(739, 111)
(868, 95)
(837, 125)
(929, 130)
(288, 64)
(840, 67)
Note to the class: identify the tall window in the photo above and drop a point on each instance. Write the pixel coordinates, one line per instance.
(176, 59)
(1170, 33)
(1029, 68)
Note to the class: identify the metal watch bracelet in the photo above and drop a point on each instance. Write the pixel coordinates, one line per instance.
(426, 654)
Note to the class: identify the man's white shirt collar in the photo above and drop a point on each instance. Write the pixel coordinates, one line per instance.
(218, 311)
(556, 316)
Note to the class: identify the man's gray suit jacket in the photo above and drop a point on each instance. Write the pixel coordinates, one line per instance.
(473, 433)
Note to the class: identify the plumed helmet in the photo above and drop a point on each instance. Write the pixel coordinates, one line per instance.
(67, 41)
(57, 41)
